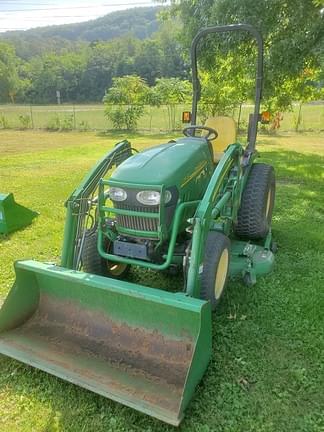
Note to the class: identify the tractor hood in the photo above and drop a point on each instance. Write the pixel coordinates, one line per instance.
(167, 164)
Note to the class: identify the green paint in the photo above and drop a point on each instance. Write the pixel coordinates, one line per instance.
(169, 164)
(13, 216)
(208, 198)
(81, 327)
(250, 258)
(174, 317)
(82, 192)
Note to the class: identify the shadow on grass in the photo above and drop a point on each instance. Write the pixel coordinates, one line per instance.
(294, 165)
(299, 210)
(4, 238)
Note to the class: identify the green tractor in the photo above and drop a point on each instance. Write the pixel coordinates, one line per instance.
(199, 204)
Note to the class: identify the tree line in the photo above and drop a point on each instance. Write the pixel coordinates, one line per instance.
(84, 73)
(88, 72)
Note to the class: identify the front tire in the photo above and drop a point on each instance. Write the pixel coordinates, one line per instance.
(93, 263)
(216, 268)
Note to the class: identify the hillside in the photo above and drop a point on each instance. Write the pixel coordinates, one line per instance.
(138, 22)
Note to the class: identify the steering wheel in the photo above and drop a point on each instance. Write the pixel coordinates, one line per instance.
(189, 131)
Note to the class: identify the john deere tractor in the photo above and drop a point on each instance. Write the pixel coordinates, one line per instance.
(198, 204)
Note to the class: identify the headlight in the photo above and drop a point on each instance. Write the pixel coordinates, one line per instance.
(167, 196)
(149, 197)
(117, 194)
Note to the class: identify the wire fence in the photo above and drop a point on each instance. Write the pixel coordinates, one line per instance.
(307, 117)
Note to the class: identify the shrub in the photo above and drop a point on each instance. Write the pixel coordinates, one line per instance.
(67, 123)
(83, 126)
(25, 121)
(4, 124)
(53, 124)
(58, 123)
(125, 101)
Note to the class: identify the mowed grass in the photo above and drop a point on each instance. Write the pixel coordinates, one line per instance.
(266, 372)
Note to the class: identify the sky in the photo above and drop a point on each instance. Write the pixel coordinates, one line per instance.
(25, 14)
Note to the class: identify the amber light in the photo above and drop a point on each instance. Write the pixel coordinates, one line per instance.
(186, 117)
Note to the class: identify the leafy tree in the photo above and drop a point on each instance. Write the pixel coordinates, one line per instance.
(103, 59)
(174, 56)
(50, 73)
(124, 101)
(9, 80)
(171, 92)
(82, 72)
(148, 62)
(305, 89)
(219, 96)
(293, 32)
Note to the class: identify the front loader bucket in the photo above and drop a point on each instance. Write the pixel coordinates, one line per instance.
(13, 216)
(143, 347)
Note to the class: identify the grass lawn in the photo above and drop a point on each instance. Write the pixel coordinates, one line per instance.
(266, 372)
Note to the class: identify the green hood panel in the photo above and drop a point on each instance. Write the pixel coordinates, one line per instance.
(168, 164)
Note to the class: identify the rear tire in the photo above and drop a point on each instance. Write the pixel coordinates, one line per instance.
(216, 268)
(93, 263)
(255, 212)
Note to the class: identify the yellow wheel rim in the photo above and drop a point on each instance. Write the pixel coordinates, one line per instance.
(116, 269)
(268, 203)
(221, 274)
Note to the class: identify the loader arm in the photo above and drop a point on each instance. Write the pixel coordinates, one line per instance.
(80, 202)
(213, 205)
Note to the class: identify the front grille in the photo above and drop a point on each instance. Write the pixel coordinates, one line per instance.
(136, 222)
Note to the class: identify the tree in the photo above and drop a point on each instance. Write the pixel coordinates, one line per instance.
(148, 62)
(9, 80)
(306, 89)
(174, 56)
(292, 31)
(171, 92)
(219, 96)
(124, 101)
(51, 72)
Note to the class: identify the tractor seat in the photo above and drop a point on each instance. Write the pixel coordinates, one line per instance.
(226, 129)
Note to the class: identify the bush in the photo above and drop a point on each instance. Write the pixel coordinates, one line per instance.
(25, 121)
(53, 124)
(116, 115)
(58, 123)
(67, 123)
(83, 126)
(125, 101)
(124, 116)
(4, 124)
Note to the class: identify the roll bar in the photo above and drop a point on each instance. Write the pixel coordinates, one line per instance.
(254, 118)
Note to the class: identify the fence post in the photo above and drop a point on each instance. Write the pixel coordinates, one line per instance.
(150, 118)
(239, 117)
(74, 120)
(31, 116)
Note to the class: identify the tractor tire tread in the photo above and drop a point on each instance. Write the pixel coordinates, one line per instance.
(216, 242)
(252, 223)
(91, 260)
